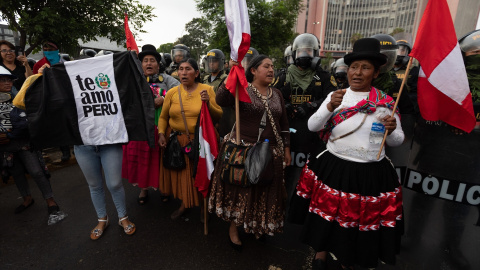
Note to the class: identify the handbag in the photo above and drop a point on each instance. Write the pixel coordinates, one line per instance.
(259, 158)
(259, 163)
(173, 157)
(233, 164)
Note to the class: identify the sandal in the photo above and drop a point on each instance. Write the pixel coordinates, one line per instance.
(129, 229)
(143, 200)
(97, 233)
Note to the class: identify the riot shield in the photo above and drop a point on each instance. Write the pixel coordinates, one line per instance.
(441, 199)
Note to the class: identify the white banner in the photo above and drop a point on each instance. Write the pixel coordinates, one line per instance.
(100, 118)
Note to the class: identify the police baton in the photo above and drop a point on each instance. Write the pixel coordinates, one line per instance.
(396, 104)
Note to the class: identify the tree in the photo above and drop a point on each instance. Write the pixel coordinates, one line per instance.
(396, 31)
(165, 48)
(271, 24)
(355, 37)
(198, 30)
(67, 21)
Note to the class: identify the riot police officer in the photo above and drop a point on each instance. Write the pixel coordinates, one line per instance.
(281, 74)
(339, 74)
(387, 81)
(179, 53)
(307, 85)
(404, 49)
(251, 53)
(470, 47)
(214, 65)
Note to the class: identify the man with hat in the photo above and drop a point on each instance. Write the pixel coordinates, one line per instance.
(343, 191)
(17, 156)
(140, 167)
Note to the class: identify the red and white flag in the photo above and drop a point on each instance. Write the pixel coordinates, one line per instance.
(238, 25)
(131, 44)
(443, 91)
(208, 151)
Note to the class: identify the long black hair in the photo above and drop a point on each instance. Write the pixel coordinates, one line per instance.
(255, 63)
(194, 64)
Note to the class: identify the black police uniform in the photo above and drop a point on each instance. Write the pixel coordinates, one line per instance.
(300, 105)
(406, 105)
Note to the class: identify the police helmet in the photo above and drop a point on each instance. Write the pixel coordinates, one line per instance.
(388, 47)
(404, 49)
(168, 59)
(305, 47)
(287, 56)
(180, 52)
(65, 57)
(215, 61)
(340, 68)
(31, 62)
(251, 53)
(103, 52)
(470, 42)
(89, 52)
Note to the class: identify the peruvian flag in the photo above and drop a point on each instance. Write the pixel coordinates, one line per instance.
(238, 25)
(208, 150)
(131, 44)
(443, 91)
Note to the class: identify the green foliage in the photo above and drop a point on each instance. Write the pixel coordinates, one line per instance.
(196, 38)
(165, 48)
(396, 31)
(355, 37)
(67, 21)
(327, 61)
(271, 25)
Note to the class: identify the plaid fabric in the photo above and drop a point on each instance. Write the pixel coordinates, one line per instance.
(375, 98)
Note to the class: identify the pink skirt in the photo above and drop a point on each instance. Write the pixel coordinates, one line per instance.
(141, 164)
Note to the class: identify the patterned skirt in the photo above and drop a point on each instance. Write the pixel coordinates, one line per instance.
(351, 209)
(258, 209)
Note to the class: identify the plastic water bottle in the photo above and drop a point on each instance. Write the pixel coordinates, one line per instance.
(378, 128)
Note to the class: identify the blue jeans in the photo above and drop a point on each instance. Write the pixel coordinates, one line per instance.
(91, 160)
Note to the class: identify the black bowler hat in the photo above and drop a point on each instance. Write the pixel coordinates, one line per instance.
(366, 49)
(149, 49)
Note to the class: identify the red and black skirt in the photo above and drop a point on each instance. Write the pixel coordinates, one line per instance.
(351, 209)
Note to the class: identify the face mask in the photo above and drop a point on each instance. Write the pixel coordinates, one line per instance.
(303, 62)
(52, 56)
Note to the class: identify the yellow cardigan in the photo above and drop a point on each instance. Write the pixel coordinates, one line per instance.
(171, 113)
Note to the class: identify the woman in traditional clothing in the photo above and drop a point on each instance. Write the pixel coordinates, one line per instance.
(180, 183)
(350, 202)
(260, 210)
(140, 163)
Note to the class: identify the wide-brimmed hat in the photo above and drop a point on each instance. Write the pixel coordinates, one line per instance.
(5, 72)
(149, 49)
(366, 49)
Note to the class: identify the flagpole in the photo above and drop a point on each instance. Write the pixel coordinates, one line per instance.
(237, 116)
(396, 104)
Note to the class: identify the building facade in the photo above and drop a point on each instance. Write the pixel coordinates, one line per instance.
(338, 23)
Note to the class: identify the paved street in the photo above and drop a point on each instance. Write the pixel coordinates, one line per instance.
(27, 242)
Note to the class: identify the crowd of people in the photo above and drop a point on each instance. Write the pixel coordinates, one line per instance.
(348, 200)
